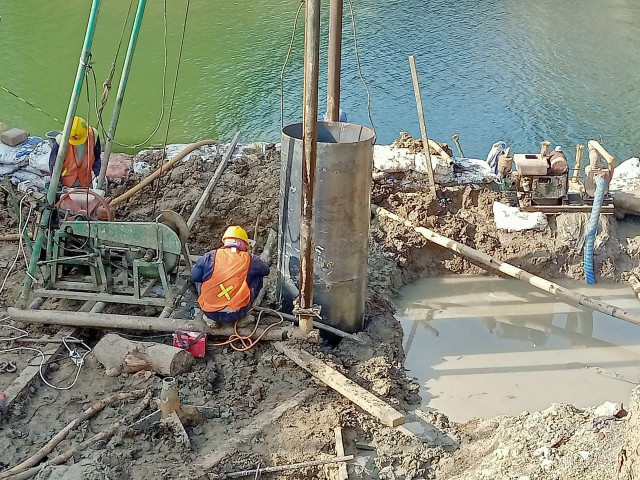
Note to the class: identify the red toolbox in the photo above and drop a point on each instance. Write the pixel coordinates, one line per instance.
(193, 342)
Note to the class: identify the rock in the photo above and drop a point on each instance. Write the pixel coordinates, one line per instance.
(119, 165)
(584, 454)
(3, 127)
(629, 456)
(610, 409)
(14, 136)
(542, 452)
(546, 464)
(141, 168)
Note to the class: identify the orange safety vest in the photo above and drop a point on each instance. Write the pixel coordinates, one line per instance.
(227, 288)
(82, 171)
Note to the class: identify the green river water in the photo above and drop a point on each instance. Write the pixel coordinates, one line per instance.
(492, 70)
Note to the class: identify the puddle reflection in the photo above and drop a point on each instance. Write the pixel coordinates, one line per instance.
(483, 346)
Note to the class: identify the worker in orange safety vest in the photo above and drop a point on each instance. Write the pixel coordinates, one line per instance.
(82, 160)
(229, 278)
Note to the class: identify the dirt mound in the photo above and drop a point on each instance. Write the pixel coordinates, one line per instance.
(237, 387)
(465, 214)
(560, 442)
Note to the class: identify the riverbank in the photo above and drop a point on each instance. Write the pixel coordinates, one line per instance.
(242, 387)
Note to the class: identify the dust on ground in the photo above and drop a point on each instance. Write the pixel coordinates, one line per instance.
(238, 387)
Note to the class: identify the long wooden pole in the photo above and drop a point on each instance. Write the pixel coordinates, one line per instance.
(334, 60)
(133, 322)
(491, 263)
(423, 123)
(284, 468)
(183, 153)
(309, 156)
(197, 211)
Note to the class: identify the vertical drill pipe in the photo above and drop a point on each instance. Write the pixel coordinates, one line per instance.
(62, 152)
(309, 155)
(544, 147)
(578, 165)
(124, 78)
(423, 124)
(334, 60)
(456, 138)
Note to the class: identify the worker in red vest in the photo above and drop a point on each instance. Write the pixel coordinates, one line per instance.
(229, 278)
(82, 160)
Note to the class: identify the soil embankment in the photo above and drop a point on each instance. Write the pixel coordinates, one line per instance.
(238, 387)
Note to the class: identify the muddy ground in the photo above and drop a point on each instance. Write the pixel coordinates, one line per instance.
(240, 387)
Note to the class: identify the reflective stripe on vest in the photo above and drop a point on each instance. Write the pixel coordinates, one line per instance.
(82, 171)
(227, 288)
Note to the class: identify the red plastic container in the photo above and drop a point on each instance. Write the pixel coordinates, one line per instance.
(193, 342)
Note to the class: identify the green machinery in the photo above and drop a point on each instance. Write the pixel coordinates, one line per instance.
(97, 260)
(116, 262)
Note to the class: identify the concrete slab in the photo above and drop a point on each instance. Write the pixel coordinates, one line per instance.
(14, 136)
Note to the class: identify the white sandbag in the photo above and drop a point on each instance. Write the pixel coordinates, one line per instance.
(141, 168)
(8, 155)
(39, 157)
(9, 169)
(37, 180)
(626, 176)
(497, 149)
(513, 220)
(472, 170)
(391, 159)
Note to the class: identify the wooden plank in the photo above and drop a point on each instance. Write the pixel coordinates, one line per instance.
(343, 474)
(31, 372)
(262, 421)
(197, 211)
(348, 388)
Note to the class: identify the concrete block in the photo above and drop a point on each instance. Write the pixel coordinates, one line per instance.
(14, 136)
(119, 165)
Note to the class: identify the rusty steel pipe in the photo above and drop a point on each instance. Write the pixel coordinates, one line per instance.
(334, 60)
(309, 156)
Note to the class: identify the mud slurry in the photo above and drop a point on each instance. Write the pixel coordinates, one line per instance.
(238, 387)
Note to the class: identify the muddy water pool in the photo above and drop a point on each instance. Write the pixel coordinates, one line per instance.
(484, 346)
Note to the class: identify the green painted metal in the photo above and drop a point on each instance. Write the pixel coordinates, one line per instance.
(156, 236)
(126, 68)
(57, 169)
(103, 297)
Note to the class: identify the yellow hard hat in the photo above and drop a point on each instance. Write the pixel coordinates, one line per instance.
(79, 131)
(236, 231)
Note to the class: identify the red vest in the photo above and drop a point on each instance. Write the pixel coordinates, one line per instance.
(82, 171)
(227, 288)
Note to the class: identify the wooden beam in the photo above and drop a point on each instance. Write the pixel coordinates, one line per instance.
(423, 123)
(133, 322)
(197, 211)
(343, 474)
(346, 387)
(491, 263)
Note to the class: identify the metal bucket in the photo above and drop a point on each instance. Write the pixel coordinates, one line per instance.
(341, 219)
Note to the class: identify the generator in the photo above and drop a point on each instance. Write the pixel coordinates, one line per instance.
(537, 184)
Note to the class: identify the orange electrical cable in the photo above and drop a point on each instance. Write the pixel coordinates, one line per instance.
(247, 341)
